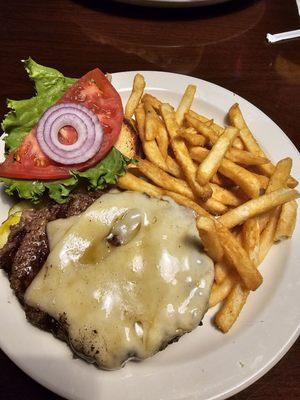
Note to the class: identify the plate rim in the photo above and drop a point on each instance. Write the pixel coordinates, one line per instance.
(291, 340)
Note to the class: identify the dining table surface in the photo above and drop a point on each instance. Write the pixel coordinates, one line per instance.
(224, 44)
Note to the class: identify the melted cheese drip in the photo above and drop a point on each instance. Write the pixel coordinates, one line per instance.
(128, 301)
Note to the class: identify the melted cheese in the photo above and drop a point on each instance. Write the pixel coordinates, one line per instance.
(128, 301)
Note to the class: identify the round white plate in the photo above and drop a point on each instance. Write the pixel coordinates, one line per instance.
(172, 3)
(204, 364)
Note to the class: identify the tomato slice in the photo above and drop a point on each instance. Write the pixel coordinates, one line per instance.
(93, 91)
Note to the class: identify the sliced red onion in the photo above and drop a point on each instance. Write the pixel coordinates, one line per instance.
(83, 120)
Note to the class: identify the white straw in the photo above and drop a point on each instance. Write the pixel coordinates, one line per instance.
(283, 36)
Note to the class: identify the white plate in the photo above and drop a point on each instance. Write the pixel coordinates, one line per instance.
(204, 364)
(172, 3)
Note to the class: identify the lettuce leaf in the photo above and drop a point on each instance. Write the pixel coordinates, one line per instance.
(106, 172)
(50, 85)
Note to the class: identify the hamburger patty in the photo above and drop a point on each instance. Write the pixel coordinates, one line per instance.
(27, 249)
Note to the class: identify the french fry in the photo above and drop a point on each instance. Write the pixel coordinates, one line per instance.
(173, 167)
(202, 127)
(140, 117)
(245, 157)
(135, 95)
(287, 221)
(251, 144)
(155, 103)
(257, 206)
(182, 154)
(241, 177)
(220, 292)
(222, 271)
(238, 258)
(163, 179)
(162, 140)
(263, 180)
(268, 234)
(151, 123)
(237, 143)
(232, 307)
(214, 206)
(212, 162)
(208, 234)
(250, 239)
(184, 201)
(225, 196)
(192, 137)
(132, 182)
(185, 103)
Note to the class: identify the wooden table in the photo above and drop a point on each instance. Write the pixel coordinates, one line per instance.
(224, 44)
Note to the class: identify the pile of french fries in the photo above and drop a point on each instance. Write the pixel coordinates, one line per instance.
(243, 202)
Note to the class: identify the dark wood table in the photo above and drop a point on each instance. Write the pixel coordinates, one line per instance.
(223, 44)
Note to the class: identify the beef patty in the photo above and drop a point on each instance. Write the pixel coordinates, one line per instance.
(27, 249)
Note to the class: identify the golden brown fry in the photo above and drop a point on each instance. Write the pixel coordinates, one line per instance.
(237, 143)
(232, 307)
(220, 292)
(202, 127)
(155, 103)
(198, 153)
(132, 182)
(163, 179)
(287, 221)
(162, 140)
(245, 179)
(151, 123)
(263, 180)
(237, 120)
(213, 206)
(212, 162)
(135, 95)
(268, 234)
(185, 103)
(173, 167)
(225, 196)
(222, 271)
(250, 239)
(207, 232)
(238, 258)
(184, 201)
(140, 120)
(192, 137)
(182, 154)
(280, 175)
(257, 206)
(245, 157)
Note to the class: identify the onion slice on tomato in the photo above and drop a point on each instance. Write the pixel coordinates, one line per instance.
(83, 120)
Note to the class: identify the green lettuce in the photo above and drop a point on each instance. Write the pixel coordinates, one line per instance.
(50, 85)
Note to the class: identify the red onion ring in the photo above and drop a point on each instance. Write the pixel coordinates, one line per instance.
(83, 120)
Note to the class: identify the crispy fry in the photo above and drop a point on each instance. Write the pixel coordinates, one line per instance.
(192, 137)
(212, 162)
(151, 123)
(238, 258)
(241, 177)
(220, 292)
(268, 234)
(132, 182)
(135, 95)
(225, 196)
(245, 157)
(182, 154)
(280, 175)
(257, 206)
(173, 167)
(140, 116)
(155, 103)
(184, 201)
(287, 221)
(251, 144)
(163, 179)
(162, 140)
(185, 103)
(250, 238)
(222, 271)
(263, 180)
(202, 127)
(208, 234)
(214, 206)
(232, 307)
(237, 143)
